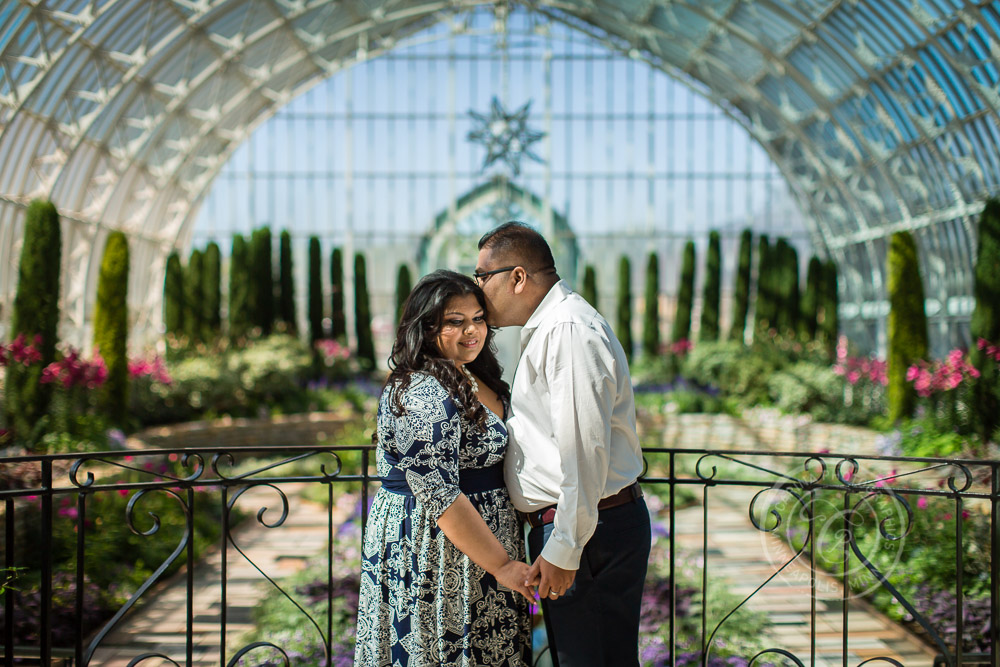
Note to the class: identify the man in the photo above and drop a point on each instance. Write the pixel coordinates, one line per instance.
(574, 455)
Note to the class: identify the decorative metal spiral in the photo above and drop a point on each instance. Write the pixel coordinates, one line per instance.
(253, 647)
(779, 651)
(146, 656)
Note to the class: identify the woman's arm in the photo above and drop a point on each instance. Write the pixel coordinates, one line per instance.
(467, 530)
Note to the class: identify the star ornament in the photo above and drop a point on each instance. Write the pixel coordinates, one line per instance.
(506, 136)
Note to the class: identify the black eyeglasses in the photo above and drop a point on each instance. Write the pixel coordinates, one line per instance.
(479, 275)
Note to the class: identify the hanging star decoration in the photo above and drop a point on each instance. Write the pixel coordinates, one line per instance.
(506, 136)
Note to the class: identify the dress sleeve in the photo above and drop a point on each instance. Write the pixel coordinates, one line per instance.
(428, 438)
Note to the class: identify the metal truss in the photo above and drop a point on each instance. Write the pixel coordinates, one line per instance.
(882, 115)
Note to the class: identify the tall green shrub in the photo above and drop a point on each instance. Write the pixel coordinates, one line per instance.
(262, 277)
(907, 327)
(810, 299)
(829, 318)
(685, 296)
(338, 320)
(173, 296)
(286, 283)
(711, 291)
(589, 291)
(240, 286)
(741, 290)
(624, 319)
(651, 312)
(194, 301)
(363, 315)
(404, 284)
(986, 321)
(315, 291)
(212, 290)
(764, 310)
(36, 313)
(111, 327)
(785, 287)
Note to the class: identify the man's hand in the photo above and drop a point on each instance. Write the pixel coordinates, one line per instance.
(552, 580)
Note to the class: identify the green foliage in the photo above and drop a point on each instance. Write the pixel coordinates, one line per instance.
(688, 401)
(589, 291)
(828, 319)
(212, 290)
(764, 307)
(807, 388)
(685, 296)
(623, 321)
(985, 324)
(711, 290)
(111, 327)
(734, 368)
(786, 288)
(261, 281)
(810, 299)
(286, 283)
(194, 301)
(315, 291)
(338, 321)
(741, 291)
(907, 325)
(922, 437)
(404, 284)
(240, 319)
(363, 315)
(651, 313)
(36, 313)
(173, 296)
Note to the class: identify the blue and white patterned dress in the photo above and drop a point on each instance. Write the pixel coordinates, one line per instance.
(424, 602)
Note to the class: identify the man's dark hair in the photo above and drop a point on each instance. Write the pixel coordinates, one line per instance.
(519, 242)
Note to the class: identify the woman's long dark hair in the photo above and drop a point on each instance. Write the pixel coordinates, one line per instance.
(415, 349)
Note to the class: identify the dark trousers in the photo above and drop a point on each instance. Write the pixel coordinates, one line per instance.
(596, 623)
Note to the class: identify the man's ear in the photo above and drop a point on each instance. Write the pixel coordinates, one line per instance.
(518, 280)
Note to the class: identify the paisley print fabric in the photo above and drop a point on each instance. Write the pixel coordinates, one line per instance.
(423, 602)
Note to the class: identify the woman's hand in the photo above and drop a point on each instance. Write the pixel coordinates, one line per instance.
(513, 575)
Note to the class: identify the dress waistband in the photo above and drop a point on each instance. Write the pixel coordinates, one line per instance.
(470, 480)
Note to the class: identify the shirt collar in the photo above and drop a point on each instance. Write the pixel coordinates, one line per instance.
(556, 294)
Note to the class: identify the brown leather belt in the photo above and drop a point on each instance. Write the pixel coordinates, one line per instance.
(629, 494)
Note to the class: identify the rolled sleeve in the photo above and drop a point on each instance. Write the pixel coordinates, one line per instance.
(428, 438)
(579, 372)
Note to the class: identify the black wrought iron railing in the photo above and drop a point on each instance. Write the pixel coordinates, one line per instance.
(71, 524)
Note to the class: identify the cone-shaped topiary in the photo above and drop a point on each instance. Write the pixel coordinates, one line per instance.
(711, 290)
(212, 290)
(240, 285)
(810, 299)
(986, 322)
(741, 290)
(651, 312)
(194, 300)
(829, 319)
(589, 291)
(764, 311)
(786, 288)
(111, 327)
(315, 291)
(624, 319)
(404, 285)
(338, 320)
(363, 315)
(685, 296)
(286, 283)
(36, 314)
(907, 326)
(262, 279)
(173, 296)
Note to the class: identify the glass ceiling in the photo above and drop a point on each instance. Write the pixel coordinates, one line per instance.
(881, 114)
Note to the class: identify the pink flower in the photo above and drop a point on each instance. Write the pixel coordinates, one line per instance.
(922, 502)
(965, 514)
(123, 492)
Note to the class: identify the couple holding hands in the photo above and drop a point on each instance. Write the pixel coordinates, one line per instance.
(465, 460)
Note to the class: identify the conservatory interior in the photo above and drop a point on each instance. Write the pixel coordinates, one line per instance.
(212, 212)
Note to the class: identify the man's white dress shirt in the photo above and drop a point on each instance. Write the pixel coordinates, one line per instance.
(572, 425)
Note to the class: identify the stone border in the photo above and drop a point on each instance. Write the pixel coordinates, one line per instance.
(299, 429)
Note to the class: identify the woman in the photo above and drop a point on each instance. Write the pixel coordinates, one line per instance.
(443, 571)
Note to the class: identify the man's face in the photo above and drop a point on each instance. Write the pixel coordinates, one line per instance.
(495, 286)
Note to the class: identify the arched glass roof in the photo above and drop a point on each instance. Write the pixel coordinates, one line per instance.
(882, 114)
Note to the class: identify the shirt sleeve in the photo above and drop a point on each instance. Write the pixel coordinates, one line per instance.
(579, 370)
(428, 438)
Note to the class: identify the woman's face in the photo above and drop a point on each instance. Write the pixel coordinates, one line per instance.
(463, 329)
